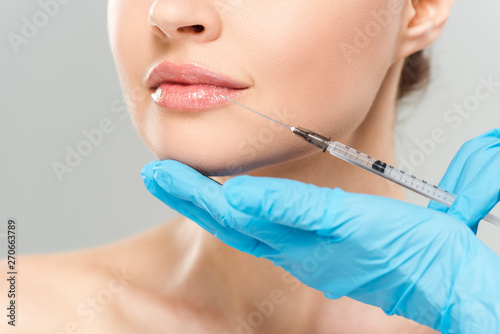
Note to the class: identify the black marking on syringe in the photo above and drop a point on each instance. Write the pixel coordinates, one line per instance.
(379, 166)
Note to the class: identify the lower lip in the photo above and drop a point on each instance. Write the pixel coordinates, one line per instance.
(192, 97)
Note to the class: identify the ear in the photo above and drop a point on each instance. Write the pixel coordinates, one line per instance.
(423, 21)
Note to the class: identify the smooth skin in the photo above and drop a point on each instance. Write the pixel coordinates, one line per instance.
(182, 279)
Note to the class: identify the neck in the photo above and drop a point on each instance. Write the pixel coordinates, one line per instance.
(217, 275)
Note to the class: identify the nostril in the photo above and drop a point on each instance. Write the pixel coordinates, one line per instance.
(197, 28)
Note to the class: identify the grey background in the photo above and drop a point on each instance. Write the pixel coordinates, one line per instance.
(64, 81)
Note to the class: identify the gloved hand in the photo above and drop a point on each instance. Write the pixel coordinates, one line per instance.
(416, 262)
(473, 175)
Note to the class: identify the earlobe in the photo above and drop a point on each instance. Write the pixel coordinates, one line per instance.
(423, 24)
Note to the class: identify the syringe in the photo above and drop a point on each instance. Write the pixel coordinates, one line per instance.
(374, 165)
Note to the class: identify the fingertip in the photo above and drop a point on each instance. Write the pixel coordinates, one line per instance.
(177, 168)
(491, 133)
(168, 164)
(147, 169)
(165, 171)
(147, 172)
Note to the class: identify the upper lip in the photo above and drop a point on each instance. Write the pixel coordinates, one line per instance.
(189, 74)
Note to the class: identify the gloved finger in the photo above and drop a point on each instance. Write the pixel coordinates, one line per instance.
(473, 170)
(203, 218)
(333, 214)
(287, 202)
(476, 199)
(187, 184)
(474, 163)
(452, 174)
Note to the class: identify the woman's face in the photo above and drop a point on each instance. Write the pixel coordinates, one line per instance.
(316, 64)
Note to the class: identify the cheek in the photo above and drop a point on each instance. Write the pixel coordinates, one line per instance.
(301, 60)
(128, 28)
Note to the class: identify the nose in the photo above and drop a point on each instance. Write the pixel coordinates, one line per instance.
(185, 19)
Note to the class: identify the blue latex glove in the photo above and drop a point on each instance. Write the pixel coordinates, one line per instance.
(474, 177)
(416, 262)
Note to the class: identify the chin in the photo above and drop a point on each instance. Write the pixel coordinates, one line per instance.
(222, 163)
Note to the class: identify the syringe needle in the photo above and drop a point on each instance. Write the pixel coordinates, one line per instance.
(255, 111)
(375, 166)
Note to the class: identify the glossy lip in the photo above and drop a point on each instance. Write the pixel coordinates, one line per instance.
(190, 86)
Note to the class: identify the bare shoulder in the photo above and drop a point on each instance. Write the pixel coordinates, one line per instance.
(80, 291)
(62, 293)
(98, 290)
(44, 291)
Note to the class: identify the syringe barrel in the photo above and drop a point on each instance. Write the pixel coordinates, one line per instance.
(380, 168)
(391, 173)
